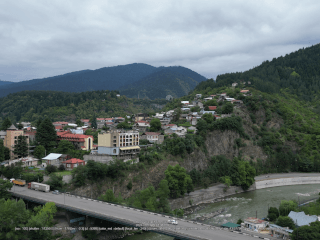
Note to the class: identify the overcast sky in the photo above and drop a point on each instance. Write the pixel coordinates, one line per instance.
(46, 38)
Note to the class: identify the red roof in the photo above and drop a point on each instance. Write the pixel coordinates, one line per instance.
(109, 119)
(244, 91)
(170, 125)
(152, 133)
(99, 119)
(212, 108)
(110, 123)
(84, 120)
(142, 121)
(58, 127)
(74, 160)
(83, 147)
(73, 137)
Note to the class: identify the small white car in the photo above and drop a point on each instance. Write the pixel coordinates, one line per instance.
(174, 222)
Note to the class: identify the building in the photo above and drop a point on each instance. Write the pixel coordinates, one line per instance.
(73, 163)
(280, 232)
(185, 102)
(60, 124)
(255, 223)
(80, 141)
(244, 91)
(153, 137)
(119, 143)
(198, 95)
(3, 134)
(142, 125)
(234, 84)
(204, 112)
(212, 108)
(11, 136)
(301, 219)
(53, 159)
(86, 122)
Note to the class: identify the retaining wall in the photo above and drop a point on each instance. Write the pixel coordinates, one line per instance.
(278, 182)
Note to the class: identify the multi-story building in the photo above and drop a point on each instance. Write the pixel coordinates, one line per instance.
(119, 143)
(11, 137)
(80, 141)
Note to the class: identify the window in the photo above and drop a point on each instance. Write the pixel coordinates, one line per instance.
(114, 141)
(114, 150)
(114, 145)
(114, 137)
(68, 165)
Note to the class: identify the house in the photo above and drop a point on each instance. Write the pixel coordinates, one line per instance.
(86, 122)
(192, 128)
(180, 131)
(244, 91)
(223, 94)
(140, 116)
(238, 102)
(301, 219)
(80, 141)
(255, 223)
(119, 143)
(73, 163)
(199, 95)
(165, 121)
(159, 115)
(185, 102)
(153, 137)
(72, 125)
(108, 120)
(29, 161)
(3, 134)
(217, 117)
(119, 119)
(207, 99)
(142, 126)
(101, 120)
(53, 159)
(169, 126)
(77, 131)
(212, 108)
(234, 84)
(229, 99)
(204, 112)
(60, 124)
(58, 128)
(185, 109)
(118, 95)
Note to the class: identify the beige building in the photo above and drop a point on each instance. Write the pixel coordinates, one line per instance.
(11, 137)
(119, 143)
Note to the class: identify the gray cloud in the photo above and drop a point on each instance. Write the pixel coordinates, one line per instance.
(47, 38)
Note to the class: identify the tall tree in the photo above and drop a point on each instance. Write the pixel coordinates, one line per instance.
(46, 134)
(5, 185)
(94, 121)
(65, 146)
(39, 152)
(2, 156)
(6, 124)
(21, 146)
(155, 125)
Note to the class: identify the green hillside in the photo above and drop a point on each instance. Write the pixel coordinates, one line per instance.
(31, 105)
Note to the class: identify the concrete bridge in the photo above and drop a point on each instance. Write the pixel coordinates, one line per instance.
(129, 216)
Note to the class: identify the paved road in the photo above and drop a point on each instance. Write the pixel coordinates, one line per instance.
(195, 230)
(285, 175)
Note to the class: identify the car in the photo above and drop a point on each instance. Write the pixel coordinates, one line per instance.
(174, 222)
(55, 192)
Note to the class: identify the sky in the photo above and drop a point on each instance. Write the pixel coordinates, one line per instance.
(47, 38)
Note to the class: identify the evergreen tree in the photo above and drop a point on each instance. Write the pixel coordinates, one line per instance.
(2, 158)
(46, 134)
(94, 122)
(21, 147)
(6, 124)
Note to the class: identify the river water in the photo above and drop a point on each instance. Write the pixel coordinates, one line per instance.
(243, 205)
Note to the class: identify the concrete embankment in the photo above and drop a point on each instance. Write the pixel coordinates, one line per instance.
(215, 193)
(286, 181)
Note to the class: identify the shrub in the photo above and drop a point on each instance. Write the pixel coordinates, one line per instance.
(129, 186)
(62, 167)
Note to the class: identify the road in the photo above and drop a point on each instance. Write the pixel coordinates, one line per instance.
(190, 230)
(285, 175)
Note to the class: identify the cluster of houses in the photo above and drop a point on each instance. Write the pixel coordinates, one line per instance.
(264, 227)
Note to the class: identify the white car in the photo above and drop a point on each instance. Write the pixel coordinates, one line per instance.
(174, 222)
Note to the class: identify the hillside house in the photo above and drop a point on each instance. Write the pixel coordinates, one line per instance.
(141, 126)
(159, 115)
(198, 95)
(165, 121)
(207, 99)
(73, 163)
(153, 137)
(234, 84)
(60, 124)
(244, 91)
(228, 99)
(212, 108)
(204, 112)
(119, 119)
(86, 122)
(185, 103)
(169, 126)
(140, 116)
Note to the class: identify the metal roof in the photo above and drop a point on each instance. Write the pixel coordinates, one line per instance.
(301, 219)
(52, 156)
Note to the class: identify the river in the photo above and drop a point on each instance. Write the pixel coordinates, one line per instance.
(243, 205)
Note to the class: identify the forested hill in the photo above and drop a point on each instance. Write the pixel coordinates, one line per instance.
(2, 83)
(108, 78)
(162, 83)
(299, 72)
(62, 106)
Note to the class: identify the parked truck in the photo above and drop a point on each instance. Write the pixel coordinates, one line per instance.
(19, 182)
(39, 186)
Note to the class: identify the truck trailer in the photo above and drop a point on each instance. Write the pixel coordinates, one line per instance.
(39, 186)
(19, 182)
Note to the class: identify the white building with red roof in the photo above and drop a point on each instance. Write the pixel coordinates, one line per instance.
(80, 141)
